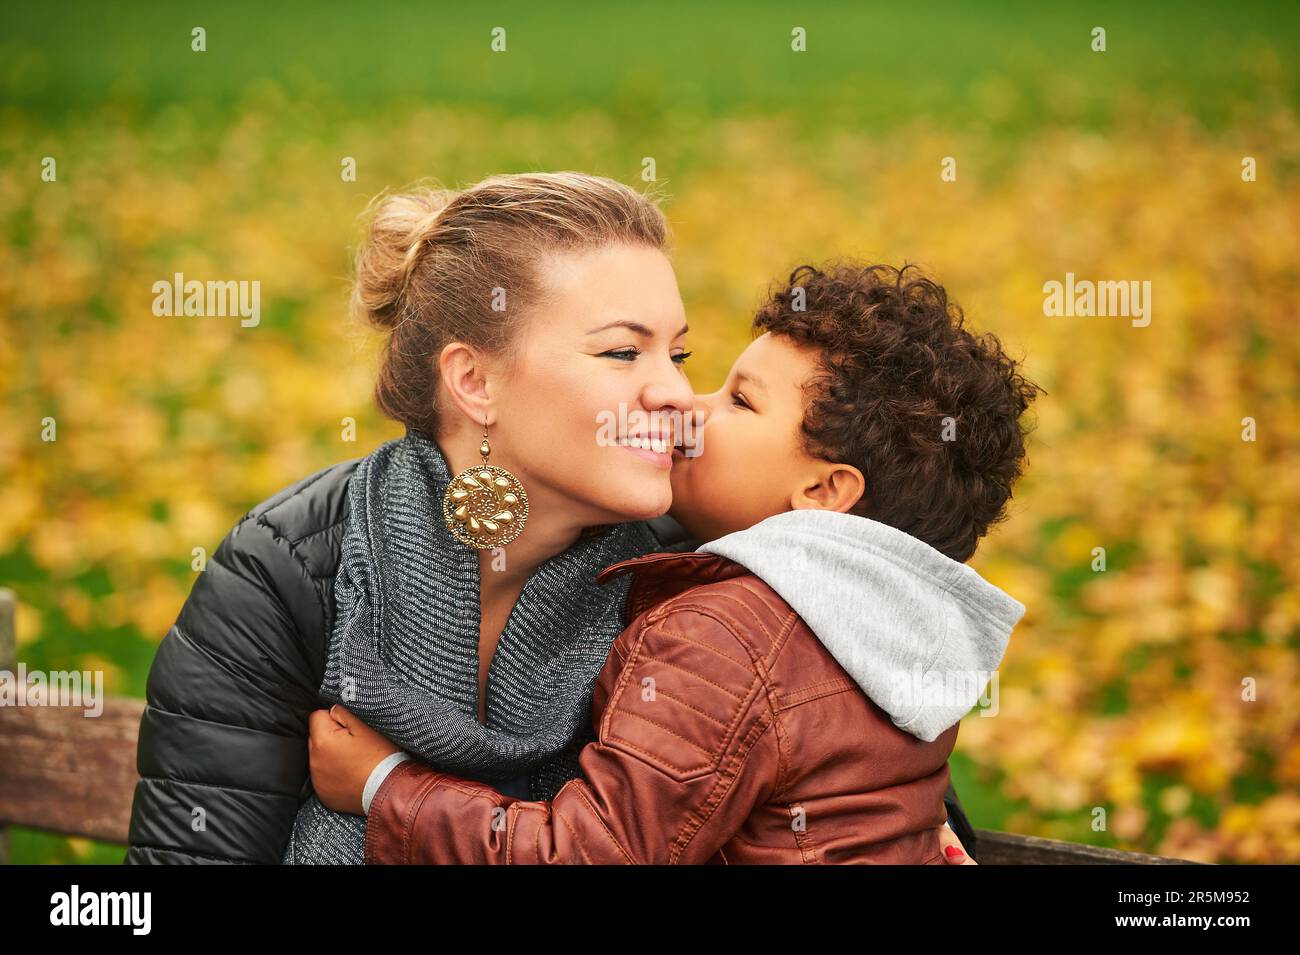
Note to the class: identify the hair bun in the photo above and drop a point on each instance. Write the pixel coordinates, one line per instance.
(400, 228)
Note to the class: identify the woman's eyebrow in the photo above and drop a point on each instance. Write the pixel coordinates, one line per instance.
(636, 327)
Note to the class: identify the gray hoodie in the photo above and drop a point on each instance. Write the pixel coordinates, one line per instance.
(921, 633)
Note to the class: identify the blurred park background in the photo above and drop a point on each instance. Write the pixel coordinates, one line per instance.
(1122, 689)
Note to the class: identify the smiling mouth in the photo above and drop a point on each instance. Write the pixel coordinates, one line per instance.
(657, 444)
(655, 448)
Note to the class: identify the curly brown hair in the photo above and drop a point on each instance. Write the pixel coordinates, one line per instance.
(897, 375)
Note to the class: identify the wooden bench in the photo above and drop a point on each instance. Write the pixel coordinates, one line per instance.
(65, 773)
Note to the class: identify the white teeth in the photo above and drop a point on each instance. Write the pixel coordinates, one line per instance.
(658, 445)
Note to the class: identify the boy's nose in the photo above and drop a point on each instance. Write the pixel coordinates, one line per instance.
(691, 440)
(703, 408)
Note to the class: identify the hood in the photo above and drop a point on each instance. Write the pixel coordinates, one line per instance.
(921, 633)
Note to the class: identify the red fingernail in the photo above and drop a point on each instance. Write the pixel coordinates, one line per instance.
(952, 852)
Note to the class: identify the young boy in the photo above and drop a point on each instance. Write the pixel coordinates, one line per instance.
(791, 690)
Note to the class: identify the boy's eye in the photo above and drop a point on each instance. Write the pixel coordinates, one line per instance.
(742, 402)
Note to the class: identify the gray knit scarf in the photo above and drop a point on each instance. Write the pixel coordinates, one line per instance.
(403, 653)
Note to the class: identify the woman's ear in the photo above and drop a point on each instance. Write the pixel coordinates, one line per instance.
(463, 372)
(834, 487)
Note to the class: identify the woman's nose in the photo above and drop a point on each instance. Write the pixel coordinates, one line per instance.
(669, 400)
(669, 391)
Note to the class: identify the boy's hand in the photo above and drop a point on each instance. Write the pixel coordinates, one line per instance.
(342, 751)
(953, 851)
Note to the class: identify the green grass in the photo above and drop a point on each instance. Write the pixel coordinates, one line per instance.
(32, 847)
(1007, 65)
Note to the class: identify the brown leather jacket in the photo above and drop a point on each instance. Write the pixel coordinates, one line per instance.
(727, 734)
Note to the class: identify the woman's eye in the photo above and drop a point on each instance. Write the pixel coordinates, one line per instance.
(629, 354)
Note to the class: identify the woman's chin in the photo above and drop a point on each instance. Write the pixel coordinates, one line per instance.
(640, 504)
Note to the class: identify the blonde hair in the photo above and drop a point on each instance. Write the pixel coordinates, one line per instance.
(436, 261)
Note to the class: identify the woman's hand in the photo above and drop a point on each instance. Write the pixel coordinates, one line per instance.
(953, 851)
(342, 751)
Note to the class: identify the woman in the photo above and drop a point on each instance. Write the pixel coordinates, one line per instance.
(521, 313)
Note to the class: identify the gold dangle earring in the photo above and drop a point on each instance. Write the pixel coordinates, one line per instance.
(485, 505)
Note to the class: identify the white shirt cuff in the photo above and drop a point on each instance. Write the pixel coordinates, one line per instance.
(377, 777)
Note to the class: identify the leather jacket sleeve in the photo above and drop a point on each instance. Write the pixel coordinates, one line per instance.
(680, 762)
(222, 750)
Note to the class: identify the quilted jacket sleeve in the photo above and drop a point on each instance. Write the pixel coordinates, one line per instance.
(686, 750)
(223, 742)
(958, 822)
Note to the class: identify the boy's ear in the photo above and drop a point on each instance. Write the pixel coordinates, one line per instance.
(834, 487)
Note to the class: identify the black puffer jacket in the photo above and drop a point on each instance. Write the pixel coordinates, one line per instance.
(223, 742)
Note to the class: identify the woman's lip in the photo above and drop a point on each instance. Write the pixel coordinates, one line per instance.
(662, 460)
